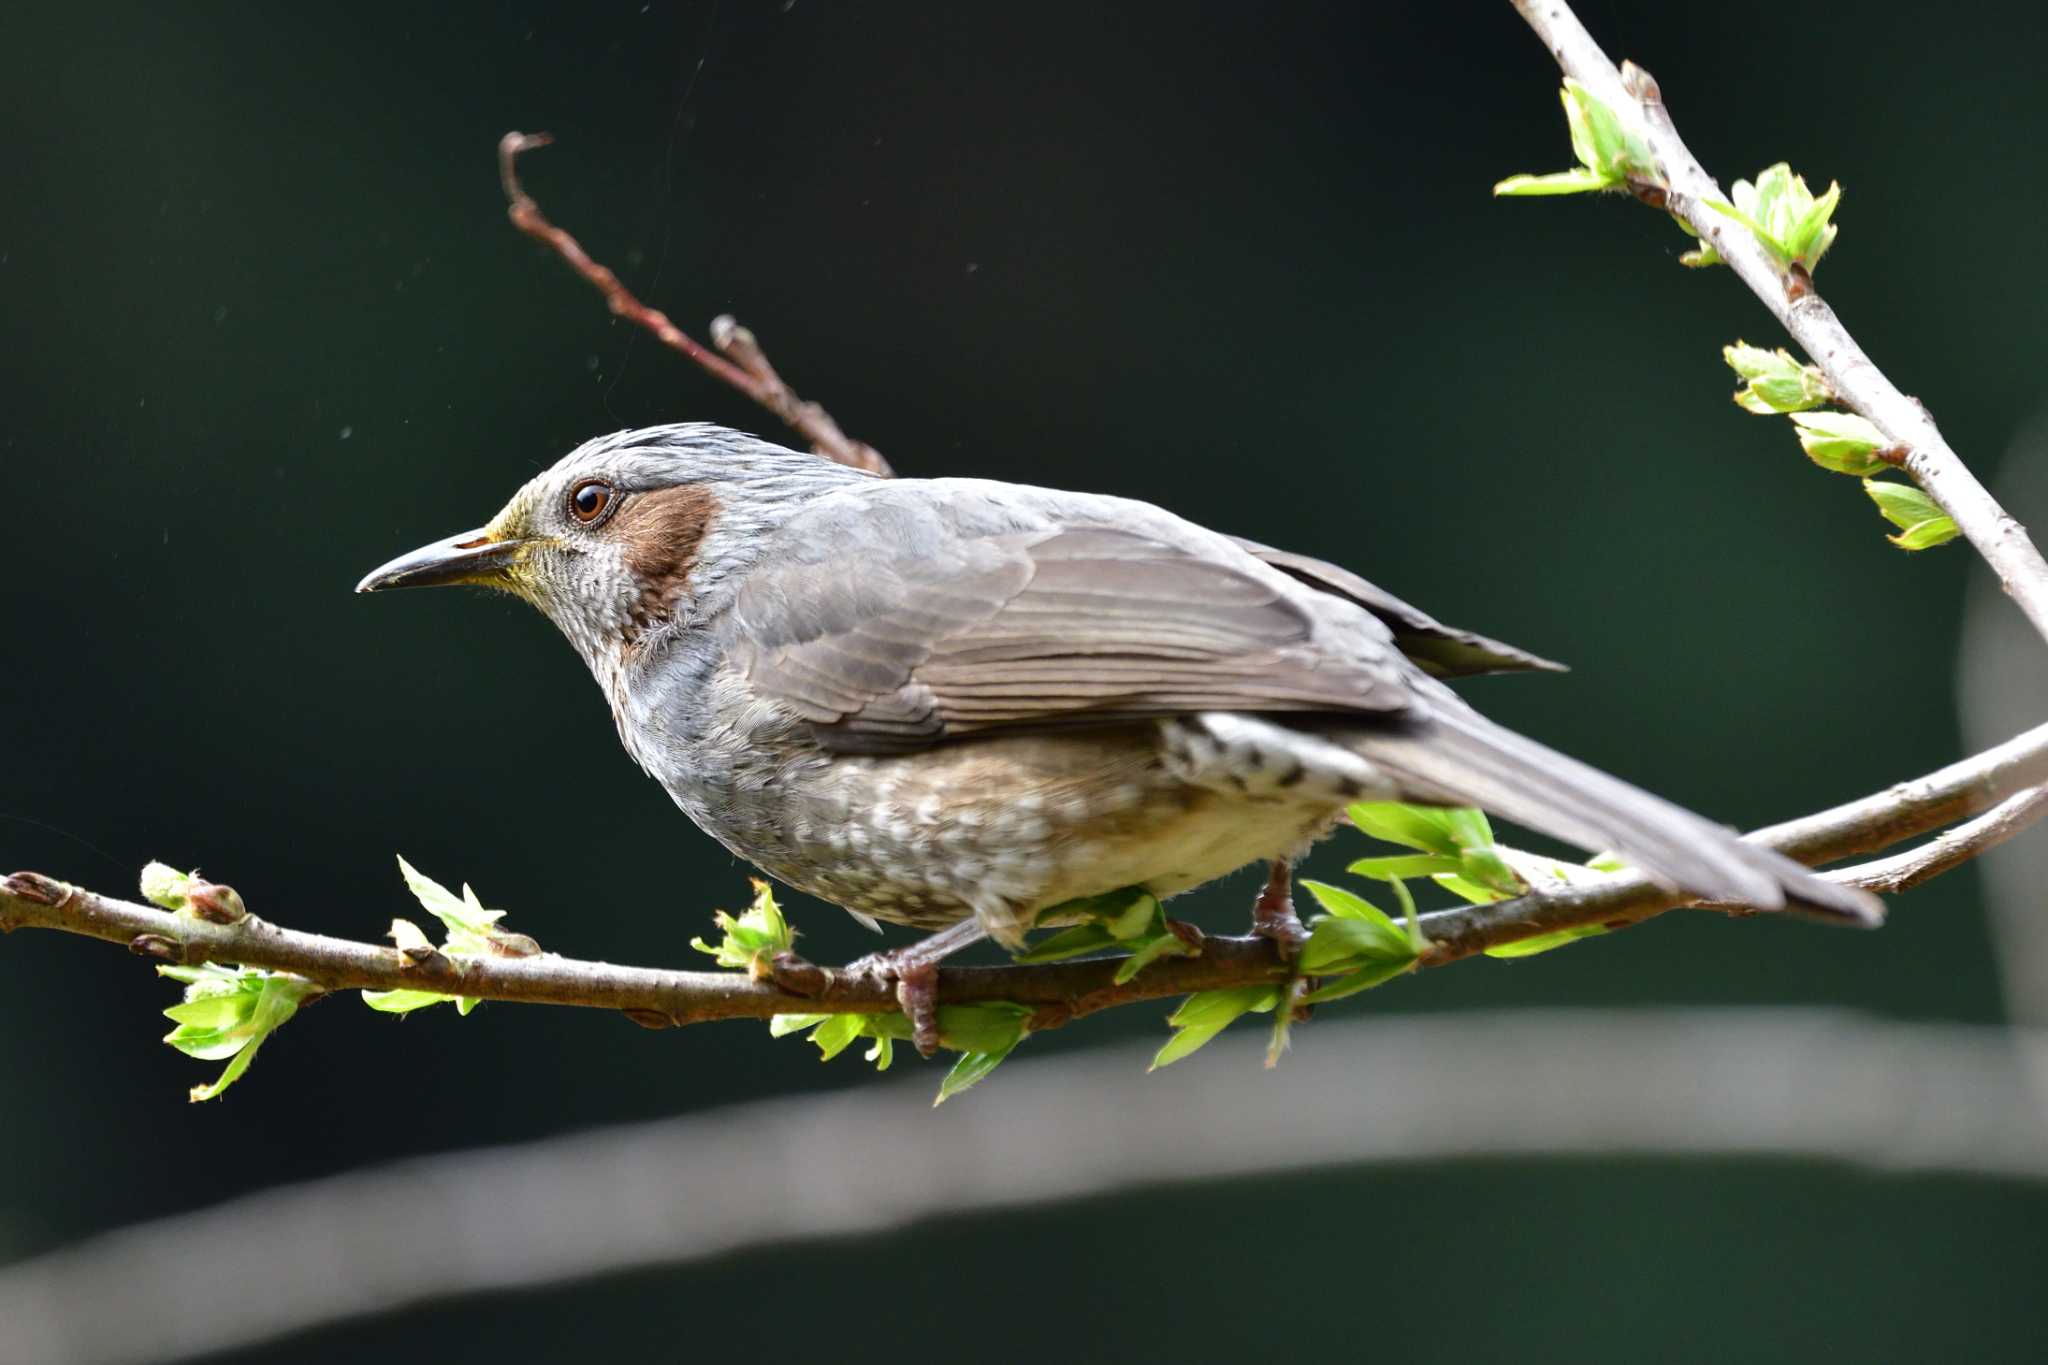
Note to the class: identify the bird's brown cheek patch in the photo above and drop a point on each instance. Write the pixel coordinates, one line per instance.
(659, 534)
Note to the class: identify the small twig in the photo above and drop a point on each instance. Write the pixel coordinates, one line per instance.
(1951, 848)
(748, 370)
(1062, 991)
(1788, 293)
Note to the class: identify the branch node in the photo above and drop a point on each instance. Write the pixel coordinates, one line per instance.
(37, 889)
(651, 1019)
(798, 975)
(158, 947)
(1640, 84)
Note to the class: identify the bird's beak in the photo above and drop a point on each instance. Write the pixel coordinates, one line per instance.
(472, 557)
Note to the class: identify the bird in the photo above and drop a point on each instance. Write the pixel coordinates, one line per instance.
(955, 704)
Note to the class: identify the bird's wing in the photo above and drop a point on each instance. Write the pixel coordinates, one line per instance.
(910, 639)
(1439, 650)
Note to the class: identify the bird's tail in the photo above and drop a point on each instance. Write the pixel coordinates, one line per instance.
(1460, 758)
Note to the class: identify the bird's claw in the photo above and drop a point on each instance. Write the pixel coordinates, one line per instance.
(916, 981)
(1273, 914)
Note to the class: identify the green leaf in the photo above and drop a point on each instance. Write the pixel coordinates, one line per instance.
(1608, 153)
(1204, 1015)
(1485, 867)
(1543, 943)
(1784, 215)
(1338, 945)
(1403, 865)
(212, 1012)
(1071, 942)
(1149, 950)
(749, 940)
(1345, 904)
(228, 1012)
(1131, 919)
(1809, 238)
(1578, 180)
(165, 886)
(985, 1035)
(404, 1001)
(1362, 980)
(991, 1027)
(837, 1033)
(472, 931)
(1467, 889)
(972, 1069)
(1775, 381)
(1921, 521)
(782, 1025)
(1417, 827)
(1841, 441)
(1599, 139)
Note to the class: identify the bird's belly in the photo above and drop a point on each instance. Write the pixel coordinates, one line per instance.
(1006, 827)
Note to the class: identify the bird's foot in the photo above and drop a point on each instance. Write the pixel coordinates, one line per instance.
(1273, 914)
(915, 979)
(914, 972)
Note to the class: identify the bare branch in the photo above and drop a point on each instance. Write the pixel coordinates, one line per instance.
(1788, 292)
(1061, 991)
(1951, 848)
(747, 370)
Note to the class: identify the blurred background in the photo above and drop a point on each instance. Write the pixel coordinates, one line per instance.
(266, 326)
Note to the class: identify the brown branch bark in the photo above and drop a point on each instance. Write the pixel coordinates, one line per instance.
(742, 366)
(2008, 777)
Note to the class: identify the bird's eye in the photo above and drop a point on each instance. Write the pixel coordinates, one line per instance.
(590, 500)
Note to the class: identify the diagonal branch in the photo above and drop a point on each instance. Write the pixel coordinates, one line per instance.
(2005, 780)
(743, 366)
(1788, 292)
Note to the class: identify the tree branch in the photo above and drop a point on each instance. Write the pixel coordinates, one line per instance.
(747, 370)
(2008, 777)
(1788, 292)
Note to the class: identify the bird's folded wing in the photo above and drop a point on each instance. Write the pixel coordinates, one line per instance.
(1437, 649)
(1041, 629)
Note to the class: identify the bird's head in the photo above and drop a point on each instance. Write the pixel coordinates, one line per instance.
(627, 533)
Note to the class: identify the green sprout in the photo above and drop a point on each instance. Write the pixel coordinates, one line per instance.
(984, 1035)
(228, 1012)
(1921, 522)
(1773, 381)
(1785, 215)
(1610, 155)
(750, 941)
(472, 932)
(1842, 442)
(1131, 920)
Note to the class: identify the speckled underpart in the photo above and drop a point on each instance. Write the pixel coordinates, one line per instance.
(1001, 828)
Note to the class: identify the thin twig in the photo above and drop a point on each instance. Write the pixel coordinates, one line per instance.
(1788, 292)
(1061, 991)
(1954, 847)
(747, 369)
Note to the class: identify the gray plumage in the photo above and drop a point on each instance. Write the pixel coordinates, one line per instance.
(930, 699)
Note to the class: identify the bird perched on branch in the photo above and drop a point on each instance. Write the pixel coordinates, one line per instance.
(956, 703)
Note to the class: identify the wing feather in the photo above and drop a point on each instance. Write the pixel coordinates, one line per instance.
(1046, 629)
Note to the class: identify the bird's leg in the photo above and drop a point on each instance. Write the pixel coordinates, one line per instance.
(1273, 913)
(915, 972)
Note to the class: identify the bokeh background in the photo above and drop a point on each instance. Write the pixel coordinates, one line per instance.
(265, 326)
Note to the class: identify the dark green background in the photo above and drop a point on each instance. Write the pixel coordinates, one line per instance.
(265, 326)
